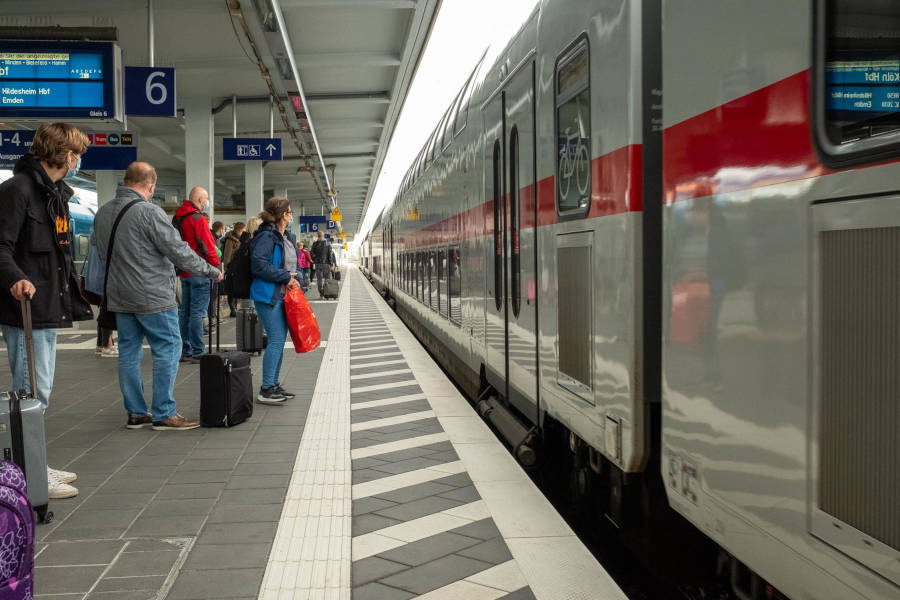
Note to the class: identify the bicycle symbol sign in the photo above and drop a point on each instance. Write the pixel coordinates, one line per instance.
(574, 163)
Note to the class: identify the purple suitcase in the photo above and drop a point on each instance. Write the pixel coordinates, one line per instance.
(16, 535)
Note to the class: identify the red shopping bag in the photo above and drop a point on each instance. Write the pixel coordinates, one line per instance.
(301, 321)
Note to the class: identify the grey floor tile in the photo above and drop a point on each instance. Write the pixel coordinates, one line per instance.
(148, 545)
(238, 532)
(253, 497)
(241, 482)
(179, 508)
(281, 468)
(79, 553)
(417, 508)
(268, 457)
(371, 522)
(463, 494)
(370, 504)
(59, 596)
(133, 564)
(493, 551)
(123, 595)
(524, 593)
(216, 464)
(165, 526)
(190, 490)
(61, 580)
(243, 514)
(377, 591)
(227, 556)
(216, 583)
(484, 529)
(412, 464)
(429, 549)
(115, 501)
(373, 568)
(414, 492)
(435, 574)
(200, 477)
(131, 484)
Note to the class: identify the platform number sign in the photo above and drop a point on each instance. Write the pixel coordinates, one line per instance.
(150, 91)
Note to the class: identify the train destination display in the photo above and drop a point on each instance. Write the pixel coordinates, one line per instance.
(863, 85)
(59, 80)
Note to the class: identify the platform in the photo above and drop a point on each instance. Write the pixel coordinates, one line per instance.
(379, 481)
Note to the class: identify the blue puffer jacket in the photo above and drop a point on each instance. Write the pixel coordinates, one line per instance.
(267, 264)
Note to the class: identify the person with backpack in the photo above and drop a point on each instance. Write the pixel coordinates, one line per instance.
(193, 226)
(232, 243)
(323, 258)
(273, 262)
(304, 262)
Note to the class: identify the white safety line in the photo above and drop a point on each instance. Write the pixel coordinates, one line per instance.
(371, 336)
(402, 480)
(370, 544)
(356, 358)
(396, 446)
(382, 363)
(388, 421)
(382, 374)
(387, 401)
(310, 556)
(379, 342)
(382, 386)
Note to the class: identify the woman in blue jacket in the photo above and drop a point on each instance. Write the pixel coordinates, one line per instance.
(273, 262)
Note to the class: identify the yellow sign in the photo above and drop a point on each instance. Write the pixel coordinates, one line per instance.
(343, 235)
(345, 246)
(336, 214)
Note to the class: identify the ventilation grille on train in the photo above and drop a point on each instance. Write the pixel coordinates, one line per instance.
(575, 313)
(859, 433)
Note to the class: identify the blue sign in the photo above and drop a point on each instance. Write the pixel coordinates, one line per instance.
(15, 143)
(251, 148)
(312, 224)
(59, 80)
(150, 91)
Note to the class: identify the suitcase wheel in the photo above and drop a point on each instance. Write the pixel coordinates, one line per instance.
(45, 515)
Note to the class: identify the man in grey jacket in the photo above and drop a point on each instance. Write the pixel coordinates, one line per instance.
(141, 290)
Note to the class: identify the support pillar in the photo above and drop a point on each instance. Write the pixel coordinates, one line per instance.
(199, 151)
(107, 182)
(253, 188)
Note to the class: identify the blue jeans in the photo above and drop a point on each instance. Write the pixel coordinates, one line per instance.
(44, 360)
(194, 305)
(161, 331)
(275, 324)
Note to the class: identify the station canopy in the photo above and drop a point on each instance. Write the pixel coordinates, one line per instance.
(355, 60)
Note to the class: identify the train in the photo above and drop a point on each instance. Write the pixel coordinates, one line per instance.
(656, 241)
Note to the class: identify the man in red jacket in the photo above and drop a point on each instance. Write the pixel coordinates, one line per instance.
(193, 226)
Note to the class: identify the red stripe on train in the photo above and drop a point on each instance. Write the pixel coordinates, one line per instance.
(759, 139)
(616, 187)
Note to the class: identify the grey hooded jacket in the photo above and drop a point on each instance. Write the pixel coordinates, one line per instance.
(141, 275)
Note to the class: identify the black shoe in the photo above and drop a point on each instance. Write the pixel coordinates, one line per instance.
(138, 421)
(270, 396)
(284, 392)
(232, 315)
(185, 358)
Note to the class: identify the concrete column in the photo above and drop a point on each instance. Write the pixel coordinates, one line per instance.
(199, 151)
(253, 188)
(107, 182)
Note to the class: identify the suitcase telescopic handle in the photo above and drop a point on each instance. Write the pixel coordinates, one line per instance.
(29, 343)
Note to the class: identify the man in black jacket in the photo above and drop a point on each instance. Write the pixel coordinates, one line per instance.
(323, 259)
(36, 261)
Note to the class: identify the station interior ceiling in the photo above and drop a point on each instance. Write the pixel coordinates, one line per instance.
(355, 60)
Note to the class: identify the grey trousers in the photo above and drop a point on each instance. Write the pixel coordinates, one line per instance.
(323, 272)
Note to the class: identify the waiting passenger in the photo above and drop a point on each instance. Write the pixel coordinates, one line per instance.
(273, 262)
(253, 224)
(141, 290)
(304, 262)
(232, 243)
(36, 260)
(323, 258)
(193, 226)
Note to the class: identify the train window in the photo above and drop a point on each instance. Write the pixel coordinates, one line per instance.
(432, 280)
(422, 280)
(498, 240)
(514, 262)
(455, 285)
(856, 81)
(573, 130)
(442, 281)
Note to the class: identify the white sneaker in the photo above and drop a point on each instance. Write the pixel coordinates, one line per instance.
(59, 490)
(111, 352)
(64, 476)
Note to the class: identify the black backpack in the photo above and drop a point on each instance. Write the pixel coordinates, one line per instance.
(238, 275)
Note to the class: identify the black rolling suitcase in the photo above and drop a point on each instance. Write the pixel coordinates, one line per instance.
(226, 386)
(250, 336)
(22, 436)
(331, 289)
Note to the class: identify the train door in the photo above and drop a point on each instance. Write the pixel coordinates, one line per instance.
(509, 188)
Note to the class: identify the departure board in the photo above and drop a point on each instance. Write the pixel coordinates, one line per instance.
(59, 80)
(871, 86)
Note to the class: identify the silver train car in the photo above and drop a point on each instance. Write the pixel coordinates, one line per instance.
(658, 241)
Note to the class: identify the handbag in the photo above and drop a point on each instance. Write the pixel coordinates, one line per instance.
(87, 279)
(107, 318)
(301, 320)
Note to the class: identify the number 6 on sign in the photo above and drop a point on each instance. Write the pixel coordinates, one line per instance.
(150, 91)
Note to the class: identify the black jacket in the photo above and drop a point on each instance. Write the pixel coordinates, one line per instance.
(31, 249)
(320, 253)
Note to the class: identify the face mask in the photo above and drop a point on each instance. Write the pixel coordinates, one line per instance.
(74, 171)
